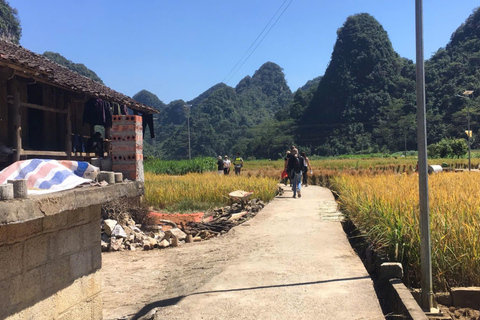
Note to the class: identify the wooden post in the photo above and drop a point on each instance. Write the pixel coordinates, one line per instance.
(17, 122)
(68, 141)
(108, 138)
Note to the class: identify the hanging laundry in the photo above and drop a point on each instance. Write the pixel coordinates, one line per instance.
(94, 112)
(147, 120)
(119, 110)
(108, 114)
(78, 144)
(97, 112)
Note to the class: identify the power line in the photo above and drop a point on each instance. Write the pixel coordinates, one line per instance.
(254, 41)
(225, 80)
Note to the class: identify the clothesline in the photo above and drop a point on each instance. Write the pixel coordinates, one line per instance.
(99, 112)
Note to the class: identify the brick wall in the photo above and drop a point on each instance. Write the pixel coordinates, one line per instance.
(49, 267)
(127, 146)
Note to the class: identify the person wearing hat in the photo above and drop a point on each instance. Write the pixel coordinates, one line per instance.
(226, 166)
(220, 165)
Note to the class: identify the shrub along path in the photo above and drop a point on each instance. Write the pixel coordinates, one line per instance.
(292, 261)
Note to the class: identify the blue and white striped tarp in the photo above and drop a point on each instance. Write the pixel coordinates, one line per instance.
(45, 176)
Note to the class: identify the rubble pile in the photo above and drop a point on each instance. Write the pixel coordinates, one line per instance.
(124, 234)
(223, 219)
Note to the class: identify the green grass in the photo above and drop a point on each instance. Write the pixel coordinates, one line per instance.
(180, 167)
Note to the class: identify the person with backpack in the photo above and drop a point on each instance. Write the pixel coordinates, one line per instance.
(297, 164)
(238, 164)
(306, 166)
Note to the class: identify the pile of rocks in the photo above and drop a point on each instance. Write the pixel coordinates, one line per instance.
(221, 220)
(124, 234)
(117, 236)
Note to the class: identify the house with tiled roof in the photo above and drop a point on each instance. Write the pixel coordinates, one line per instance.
(46, 110)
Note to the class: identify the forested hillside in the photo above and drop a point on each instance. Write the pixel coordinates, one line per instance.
(79, 68)
(10, 28)
(224, 120)
(449, 72)
(365, 87)
(365, 101)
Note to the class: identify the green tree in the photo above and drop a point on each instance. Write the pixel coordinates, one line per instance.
(10, 28)
(448, 148)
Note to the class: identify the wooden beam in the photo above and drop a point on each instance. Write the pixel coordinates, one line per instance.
(44, 108)
(43, 153)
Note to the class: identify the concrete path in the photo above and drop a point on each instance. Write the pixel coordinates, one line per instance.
(293, 262)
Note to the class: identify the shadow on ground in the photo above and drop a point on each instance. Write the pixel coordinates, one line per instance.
(175, 300)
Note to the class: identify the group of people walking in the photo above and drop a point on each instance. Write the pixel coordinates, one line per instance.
(224, 165)
(297, 167)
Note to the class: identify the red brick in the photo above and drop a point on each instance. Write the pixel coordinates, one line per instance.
(126, 148)
(133, 176)
(124, 167)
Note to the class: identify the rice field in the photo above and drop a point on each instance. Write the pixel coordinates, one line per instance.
(380, 195)
(386, 207)
(197, 191)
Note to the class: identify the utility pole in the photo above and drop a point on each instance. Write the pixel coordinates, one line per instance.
(466, 94)
(427, 301)
(188, 106)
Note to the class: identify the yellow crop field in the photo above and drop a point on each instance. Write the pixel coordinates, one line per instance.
(387, 207)
(200, 191)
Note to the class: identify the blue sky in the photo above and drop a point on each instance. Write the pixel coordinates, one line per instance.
(177, 49)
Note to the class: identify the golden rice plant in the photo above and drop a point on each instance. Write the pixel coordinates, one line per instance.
(387, 208)
(197, 191)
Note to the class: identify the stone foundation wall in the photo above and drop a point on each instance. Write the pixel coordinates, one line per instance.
(50, 253)
(49, 266)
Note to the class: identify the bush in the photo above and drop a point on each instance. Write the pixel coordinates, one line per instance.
(448, 148)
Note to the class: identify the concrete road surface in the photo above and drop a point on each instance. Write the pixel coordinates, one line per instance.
(292, 261)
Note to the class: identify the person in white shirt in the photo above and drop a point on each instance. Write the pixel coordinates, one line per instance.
(226, 166)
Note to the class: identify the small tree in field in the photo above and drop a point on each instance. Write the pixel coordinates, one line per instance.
(459, 147)
(448, 148)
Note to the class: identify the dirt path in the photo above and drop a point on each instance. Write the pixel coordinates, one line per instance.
(291, 261)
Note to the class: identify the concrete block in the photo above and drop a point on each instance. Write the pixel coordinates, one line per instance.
(55, 222)
(91, 234)
(68, 241)
(81, 263)
(56, 274)
(36, 251)
(466, 297)
(96, 214)
(391, 270)
(26, 287)
(20, 231)
(5, 305)
(78, 217)
(91, 285)
(11, 260)
(96, 257)
(42, 310)
(3, 235)
(68, 297)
